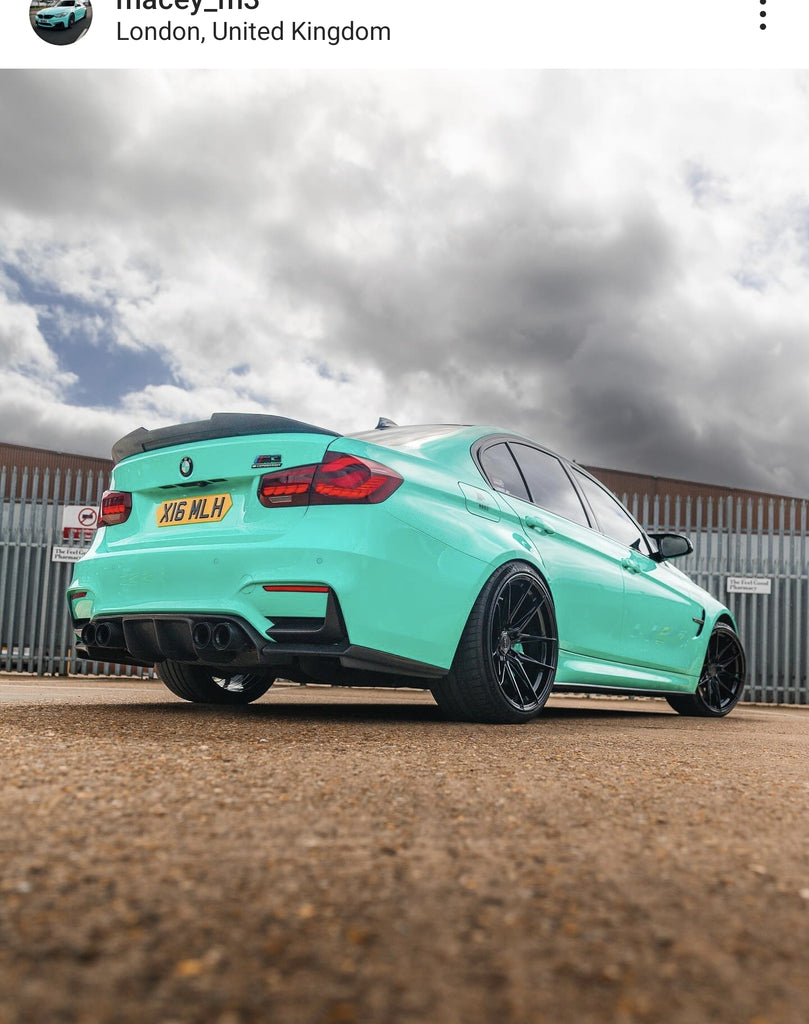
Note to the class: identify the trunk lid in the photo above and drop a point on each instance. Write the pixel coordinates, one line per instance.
(197, 483)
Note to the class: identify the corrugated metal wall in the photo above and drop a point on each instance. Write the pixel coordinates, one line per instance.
(620, 481)
(22, 457)
(764, 538)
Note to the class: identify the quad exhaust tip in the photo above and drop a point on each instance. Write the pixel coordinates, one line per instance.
(103, 634)
(221, 636)
(201, 635)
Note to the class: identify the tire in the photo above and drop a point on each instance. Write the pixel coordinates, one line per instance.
(201, 686)
(721, 680)
(70, 21)
(504, 667)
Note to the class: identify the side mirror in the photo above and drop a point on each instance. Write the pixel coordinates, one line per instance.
(670, 545)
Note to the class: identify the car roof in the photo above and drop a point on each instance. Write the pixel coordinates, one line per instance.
(425, 436)
(448, 443)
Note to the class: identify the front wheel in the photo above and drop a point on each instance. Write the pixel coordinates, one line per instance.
(201, 686)
(505, 664)
(721, 681)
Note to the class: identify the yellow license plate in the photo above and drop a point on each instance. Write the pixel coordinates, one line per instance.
(208, 508)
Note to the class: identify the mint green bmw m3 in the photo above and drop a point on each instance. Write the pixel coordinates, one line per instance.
(461, 559)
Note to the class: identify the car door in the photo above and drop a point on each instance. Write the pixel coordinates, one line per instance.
(660, 620)
(580, 564)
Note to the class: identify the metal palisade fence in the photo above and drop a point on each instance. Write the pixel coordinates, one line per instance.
(35, 630)
(750, 553)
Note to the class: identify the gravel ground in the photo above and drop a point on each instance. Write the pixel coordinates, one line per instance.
(329, 856)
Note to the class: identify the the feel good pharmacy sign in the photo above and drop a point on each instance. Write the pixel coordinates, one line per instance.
(749, 585)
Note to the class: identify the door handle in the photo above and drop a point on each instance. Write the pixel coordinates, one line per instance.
(537, 524)
(629, 565)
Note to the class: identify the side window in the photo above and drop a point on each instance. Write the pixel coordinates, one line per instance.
(612, 517)
(501, 470)
(548, 483)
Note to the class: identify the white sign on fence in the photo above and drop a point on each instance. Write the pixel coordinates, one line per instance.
(65, 554)
(749, 585)
(79, 522)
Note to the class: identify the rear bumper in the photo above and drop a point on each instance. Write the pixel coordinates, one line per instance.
(229, 644)
(385, 587)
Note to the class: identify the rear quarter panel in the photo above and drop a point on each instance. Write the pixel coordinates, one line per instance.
(472, 546)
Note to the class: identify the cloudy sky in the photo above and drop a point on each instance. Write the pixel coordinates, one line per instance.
(616, 264)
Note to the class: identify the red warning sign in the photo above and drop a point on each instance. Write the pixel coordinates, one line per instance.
(79, 522)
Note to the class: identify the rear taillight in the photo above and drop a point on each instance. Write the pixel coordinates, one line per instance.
(115, 508)
(345, 478)
(286, 486)
(338, 480)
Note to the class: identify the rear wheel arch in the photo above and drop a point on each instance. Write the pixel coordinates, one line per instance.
(505, 662)
(510, 558)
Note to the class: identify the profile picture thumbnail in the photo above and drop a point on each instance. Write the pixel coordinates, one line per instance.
(61, 21)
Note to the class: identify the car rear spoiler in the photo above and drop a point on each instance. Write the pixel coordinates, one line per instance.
(221, 424)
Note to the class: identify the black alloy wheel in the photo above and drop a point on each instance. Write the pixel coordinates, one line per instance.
(506, 660)
(721, 681)
(200, 686)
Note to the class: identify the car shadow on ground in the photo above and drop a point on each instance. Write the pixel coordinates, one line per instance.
(343, 712)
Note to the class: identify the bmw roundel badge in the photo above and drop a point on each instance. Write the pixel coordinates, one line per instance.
(186, 466)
